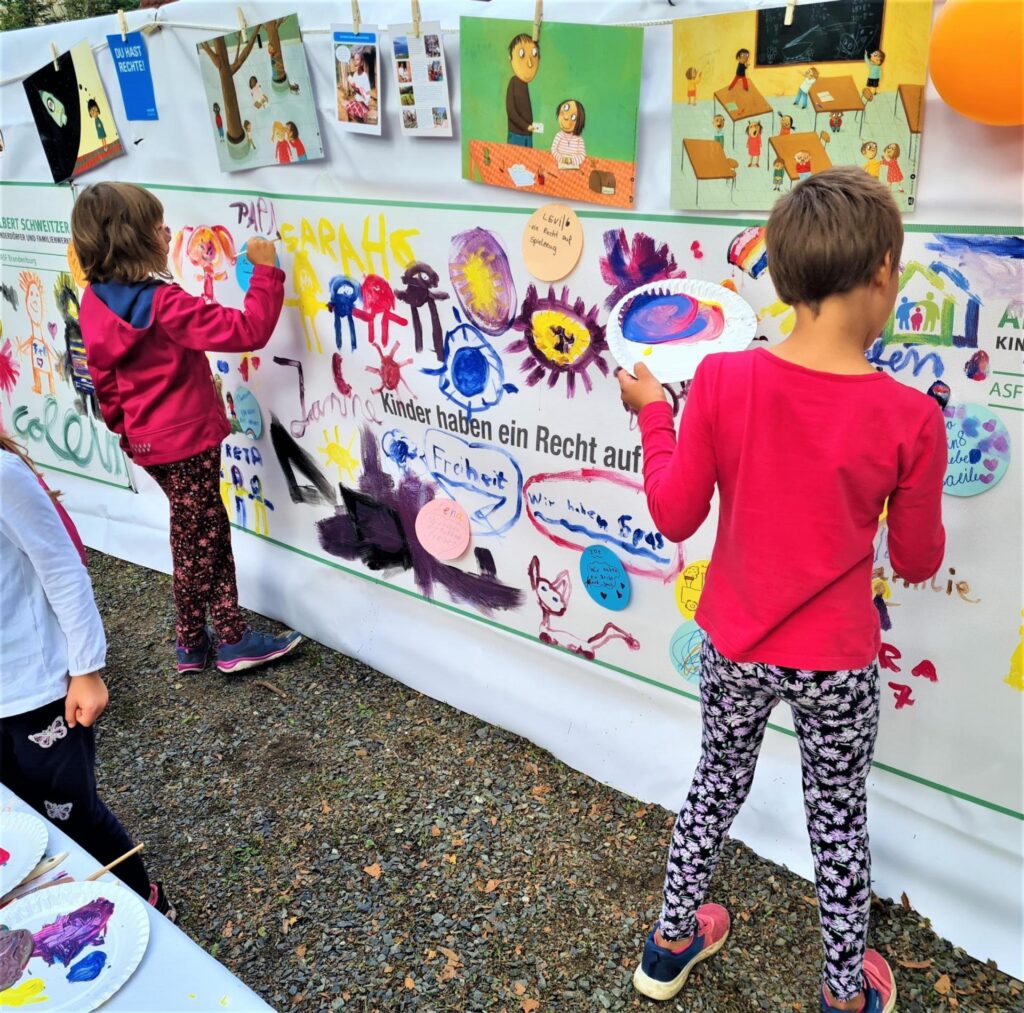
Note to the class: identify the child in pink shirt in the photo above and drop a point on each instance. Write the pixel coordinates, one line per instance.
(805, 442)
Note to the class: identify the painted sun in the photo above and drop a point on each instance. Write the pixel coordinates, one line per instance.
(561, 337)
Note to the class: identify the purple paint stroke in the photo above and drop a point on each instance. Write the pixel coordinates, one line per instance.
(63, 939)
(88, 968)
(995, 263)
(15, 952)
(626, 266)
(377, 524)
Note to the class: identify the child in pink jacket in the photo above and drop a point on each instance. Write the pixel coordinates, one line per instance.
(146, 340)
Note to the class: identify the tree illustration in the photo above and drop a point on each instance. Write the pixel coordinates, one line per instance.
(227, 67)
(279, 79)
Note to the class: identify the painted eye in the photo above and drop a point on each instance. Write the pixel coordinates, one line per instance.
(536, 53)
(471, 374)
(522, 53)
(561, 338)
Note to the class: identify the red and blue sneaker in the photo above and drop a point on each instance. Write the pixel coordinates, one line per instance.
(255, 649)
(663, 972)
(194, 660)
(879, 986)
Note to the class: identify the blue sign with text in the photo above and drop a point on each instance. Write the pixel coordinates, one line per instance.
(131, 61)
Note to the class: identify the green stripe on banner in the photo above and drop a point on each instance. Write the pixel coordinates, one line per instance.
(408, 592)
(616, 215)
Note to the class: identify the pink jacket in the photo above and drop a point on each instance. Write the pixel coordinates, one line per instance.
(152, 377)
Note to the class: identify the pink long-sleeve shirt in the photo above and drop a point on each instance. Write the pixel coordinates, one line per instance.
(803, 461)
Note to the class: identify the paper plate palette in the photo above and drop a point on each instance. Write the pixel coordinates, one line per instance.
(23, 839)
(671, 325)
(88, 939)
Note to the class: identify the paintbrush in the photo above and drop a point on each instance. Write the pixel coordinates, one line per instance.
(44, 866)
(115, 862)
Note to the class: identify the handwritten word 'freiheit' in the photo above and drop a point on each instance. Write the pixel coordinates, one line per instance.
(333, 241)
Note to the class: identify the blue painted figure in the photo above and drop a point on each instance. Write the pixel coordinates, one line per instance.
(344, 296)
(238, 486)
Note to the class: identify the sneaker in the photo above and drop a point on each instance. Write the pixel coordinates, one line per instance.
(662, 972)
(879, 986)
(198, 658)
(255, 649)
(158, 899)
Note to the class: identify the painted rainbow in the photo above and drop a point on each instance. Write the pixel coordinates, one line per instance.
(748, 252)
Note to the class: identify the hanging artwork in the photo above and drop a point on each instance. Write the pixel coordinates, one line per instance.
(357, 78)
(72, 114)
(421, 78)
(546, 115)
(758, 105)
(259, 98)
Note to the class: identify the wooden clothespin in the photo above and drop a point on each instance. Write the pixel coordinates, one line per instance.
(538, 14)
(243, 25)
(790, 8)
(356, 19)
(123, 24)
(55, 55)
(415, 19)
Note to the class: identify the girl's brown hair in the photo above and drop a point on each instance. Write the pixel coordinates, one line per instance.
(115, 229)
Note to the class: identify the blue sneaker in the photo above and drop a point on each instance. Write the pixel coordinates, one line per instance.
(197, 659)
(662, 972)
(255, 649)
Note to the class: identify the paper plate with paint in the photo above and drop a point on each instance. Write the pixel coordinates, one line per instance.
(605, 577)
(88, 940)
(23, 839)
(671, 325)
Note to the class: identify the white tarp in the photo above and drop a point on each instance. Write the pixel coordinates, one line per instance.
(549, 467)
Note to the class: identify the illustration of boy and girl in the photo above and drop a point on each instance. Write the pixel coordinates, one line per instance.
(890, 159)
(357, 95)
(567, 147)
(284, 135)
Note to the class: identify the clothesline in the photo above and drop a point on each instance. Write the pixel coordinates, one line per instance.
(155, 25)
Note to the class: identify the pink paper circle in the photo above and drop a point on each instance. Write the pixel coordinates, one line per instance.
(442, 527)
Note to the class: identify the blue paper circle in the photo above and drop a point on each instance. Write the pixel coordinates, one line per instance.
(247, 409)
(605, 577)
(244, 267)
(684, 651)
(978, 449)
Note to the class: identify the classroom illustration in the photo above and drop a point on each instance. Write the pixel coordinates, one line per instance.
(758, 105)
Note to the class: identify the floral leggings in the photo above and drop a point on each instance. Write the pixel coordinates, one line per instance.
(204, 567)
(836, 718)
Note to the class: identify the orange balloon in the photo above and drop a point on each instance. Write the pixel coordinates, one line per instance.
(975, 59)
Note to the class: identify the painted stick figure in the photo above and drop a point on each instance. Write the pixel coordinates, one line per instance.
(378, 300)
(308, 298)
(420, 280)
(238, 488)
(260, 506)
(344, 296)
(41, 355)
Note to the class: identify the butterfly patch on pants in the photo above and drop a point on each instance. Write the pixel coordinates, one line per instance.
(48, 736)
(58, 810)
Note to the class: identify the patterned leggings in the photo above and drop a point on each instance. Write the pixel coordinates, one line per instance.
(204, 567)
(836, 717)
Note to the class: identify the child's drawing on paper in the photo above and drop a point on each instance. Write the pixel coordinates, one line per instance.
(758, 106)
(546, 115)
(257, 84)
(38, 351)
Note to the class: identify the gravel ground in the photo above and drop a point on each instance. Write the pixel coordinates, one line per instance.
(341, 842)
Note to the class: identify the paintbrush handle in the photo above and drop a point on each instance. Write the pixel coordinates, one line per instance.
(115, 862)
(44, 866)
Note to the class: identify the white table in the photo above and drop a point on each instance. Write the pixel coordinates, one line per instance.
(175, 974)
